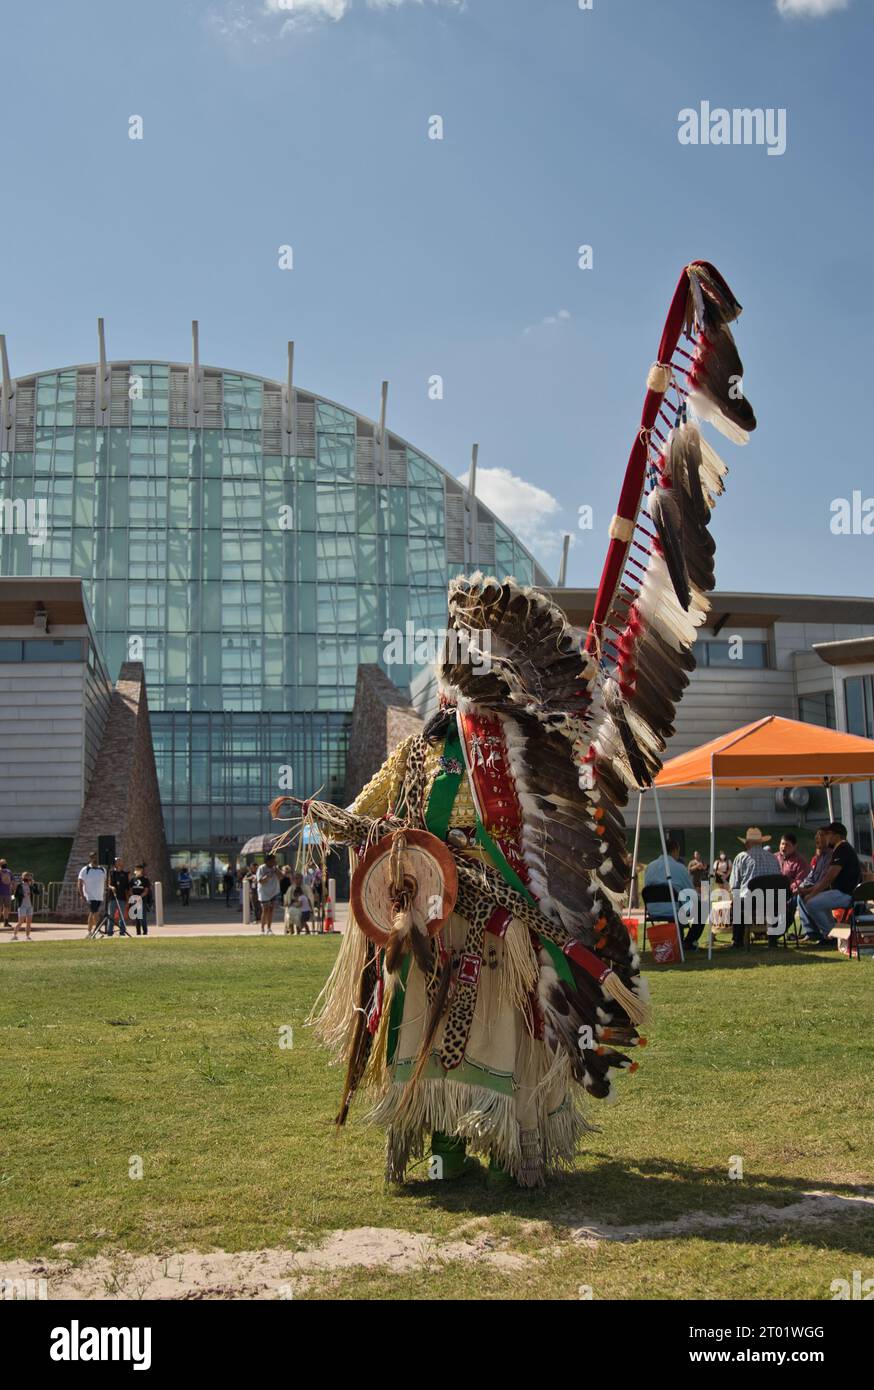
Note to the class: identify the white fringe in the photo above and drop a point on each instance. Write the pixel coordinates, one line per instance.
(333, 1013)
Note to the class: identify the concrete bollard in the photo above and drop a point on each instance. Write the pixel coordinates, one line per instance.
(331, 906)
(159, 904)
(247, 907)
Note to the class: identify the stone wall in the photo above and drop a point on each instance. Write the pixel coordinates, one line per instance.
(382, 717)
(123, 798)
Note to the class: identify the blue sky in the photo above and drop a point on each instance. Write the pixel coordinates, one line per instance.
(269, 123)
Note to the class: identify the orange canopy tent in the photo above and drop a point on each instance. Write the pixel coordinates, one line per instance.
(772, 752)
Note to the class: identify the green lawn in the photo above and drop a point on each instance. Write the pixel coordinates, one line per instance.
(169, 1050)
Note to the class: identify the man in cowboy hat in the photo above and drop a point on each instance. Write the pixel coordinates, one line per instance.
(754, 860)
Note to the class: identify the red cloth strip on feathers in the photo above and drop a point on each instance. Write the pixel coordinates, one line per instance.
(635, 473)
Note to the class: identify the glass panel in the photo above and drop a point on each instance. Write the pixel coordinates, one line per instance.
(54, 649)
(398, 560)
(854, 694)
(336, 456)
(397, 510)
(367, 561)
(332, 418)
(818, 709)
(730, 654)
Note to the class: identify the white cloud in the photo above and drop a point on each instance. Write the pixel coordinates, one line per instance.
(307, 10)
(550, 321)
(251, 20)
(233, 23)
(395, 4)
(529, 511)
(810, 9)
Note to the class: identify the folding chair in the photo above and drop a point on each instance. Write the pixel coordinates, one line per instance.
(861, 915)
(656, 893)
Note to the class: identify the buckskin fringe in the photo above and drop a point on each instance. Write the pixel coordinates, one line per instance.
(518, 974)
(485, 1118)
(557, 1079)
(562, 1133)
(333, 1013)
(487, 1121)
(531, 1169)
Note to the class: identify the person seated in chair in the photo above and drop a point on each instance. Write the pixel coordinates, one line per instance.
(754, 861)
(834, 888)
(794, 868)
(685, 897)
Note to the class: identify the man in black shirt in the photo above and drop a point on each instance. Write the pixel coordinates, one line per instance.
(119, 885)
(834, 889)
(141, 889)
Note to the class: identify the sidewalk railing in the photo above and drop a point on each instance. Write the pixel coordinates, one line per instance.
(48, 902)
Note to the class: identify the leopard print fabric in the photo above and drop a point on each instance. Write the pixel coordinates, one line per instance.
(413, 795)
(476, 910)
(487, 886)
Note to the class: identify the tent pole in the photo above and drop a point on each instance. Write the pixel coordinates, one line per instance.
(636, 850)
(828, 793)
(710, 875)
(668, 871)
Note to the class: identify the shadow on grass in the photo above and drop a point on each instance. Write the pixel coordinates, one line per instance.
(754, 957)
(663, 1200)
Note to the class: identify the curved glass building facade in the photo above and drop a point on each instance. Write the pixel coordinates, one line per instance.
(252, 544)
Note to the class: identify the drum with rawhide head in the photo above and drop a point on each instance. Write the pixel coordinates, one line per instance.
(409, 868)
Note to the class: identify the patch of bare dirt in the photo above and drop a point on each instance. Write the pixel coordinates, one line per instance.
(257, 1274)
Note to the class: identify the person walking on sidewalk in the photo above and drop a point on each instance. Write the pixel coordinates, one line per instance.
(267, 887)
(92, 882)
(304, 906)
(25, 894)
(5, 892)
(184, 884)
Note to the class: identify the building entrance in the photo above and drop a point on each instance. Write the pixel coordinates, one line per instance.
(207, 868)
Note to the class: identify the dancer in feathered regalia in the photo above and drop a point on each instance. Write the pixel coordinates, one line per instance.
(486, 982)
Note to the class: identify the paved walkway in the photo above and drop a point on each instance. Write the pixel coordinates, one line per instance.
(200, 919)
